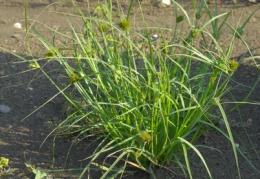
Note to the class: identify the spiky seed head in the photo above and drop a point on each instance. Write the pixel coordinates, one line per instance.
(50, 54)
(34, 65)
(198, 15)
(124, 25)
(74, 78)
(137, 154)
(145, 136)
(179, 19)
(233, 65)
(194, 33)
(3, 162)
(103, 28)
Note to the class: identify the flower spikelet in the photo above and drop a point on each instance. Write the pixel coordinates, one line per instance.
(100, 11)
(137, 154)
(179, 19)
(145, 136)
(103, 28)
(124, 25)
(194, 33)
(74, 78)
(233, 65)
(50, 54)
(198, 15)
(3, 162)
(34, 65)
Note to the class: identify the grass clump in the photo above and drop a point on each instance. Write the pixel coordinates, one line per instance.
(149, 99)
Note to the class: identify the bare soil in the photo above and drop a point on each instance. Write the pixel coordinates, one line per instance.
(23, 130)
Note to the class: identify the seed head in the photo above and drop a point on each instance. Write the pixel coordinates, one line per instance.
(3, 162)
(198, 15)
(145, 136)
(34, 65)
(74, 78)
(214, 101)
(100, 11)
(179, 19)
(50, 54)
(233, 65)
(124, 25)
(137, 154)
(103, 28)
(194, 33)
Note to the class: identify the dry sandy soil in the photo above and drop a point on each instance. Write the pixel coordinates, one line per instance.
(23, 92)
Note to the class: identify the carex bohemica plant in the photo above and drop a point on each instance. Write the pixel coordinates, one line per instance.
(149, 104)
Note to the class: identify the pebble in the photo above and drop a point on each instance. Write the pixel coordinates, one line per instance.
(18, 25)
(166, 2)
(4, 109)
(154, 37)
(30, 88)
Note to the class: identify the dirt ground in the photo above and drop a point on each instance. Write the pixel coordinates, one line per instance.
(22, 136)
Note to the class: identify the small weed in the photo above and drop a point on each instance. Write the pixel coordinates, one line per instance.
(4, 168)
(39, 173)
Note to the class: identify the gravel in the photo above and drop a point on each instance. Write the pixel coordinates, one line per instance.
(4, 109)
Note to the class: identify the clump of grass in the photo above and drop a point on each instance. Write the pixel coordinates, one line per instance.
(149, 104)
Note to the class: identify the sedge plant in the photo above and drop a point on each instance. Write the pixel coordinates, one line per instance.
(147, 99)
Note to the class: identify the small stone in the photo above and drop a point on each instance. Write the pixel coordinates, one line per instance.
(30, 88)
(18, 25)
(139, 46)
(252, 1)
(249, 121)
(166, 2)
(4, 109)
(154, 37)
